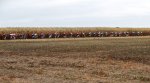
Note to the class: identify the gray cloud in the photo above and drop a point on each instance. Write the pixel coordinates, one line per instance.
(125, 13)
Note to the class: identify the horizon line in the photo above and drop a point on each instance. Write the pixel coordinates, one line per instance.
(70, 27)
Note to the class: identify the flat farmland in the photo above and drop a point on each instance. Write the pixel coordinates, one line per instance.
(76, 60)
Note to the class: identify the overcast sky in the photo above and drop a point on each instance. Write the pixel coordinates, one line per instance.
(121, 13)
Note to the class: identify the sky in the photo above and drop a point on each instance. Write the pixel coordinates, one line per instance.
(74, 13)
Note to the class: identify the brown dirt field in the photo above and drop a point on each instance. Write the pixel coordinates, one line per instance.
(79, 60)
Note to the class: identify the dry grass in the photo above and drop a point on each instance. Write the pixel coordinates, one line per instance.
(93, 60)
(73, 29)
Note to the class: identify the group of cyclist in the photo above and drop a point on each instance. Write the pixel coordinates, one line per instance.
(34, 35)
